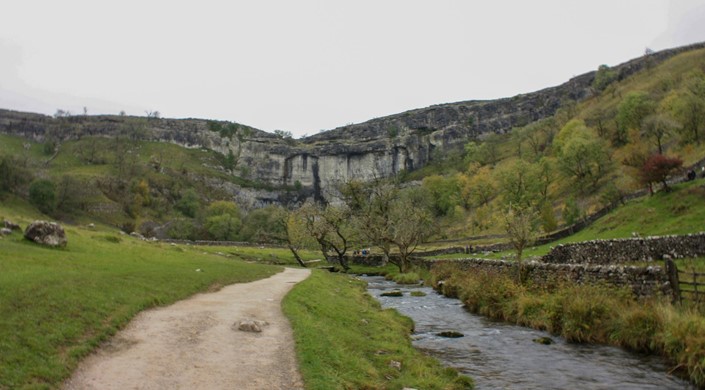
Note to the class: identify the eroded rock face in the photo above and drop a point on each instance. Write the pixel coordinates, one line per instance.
(46, 233)
(378, 148)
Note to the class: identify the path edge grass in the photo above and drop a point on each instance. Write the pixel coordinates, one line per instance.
(345, 340)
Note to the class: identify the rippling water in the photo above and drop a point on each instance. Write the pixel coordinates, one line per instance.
(502, 356)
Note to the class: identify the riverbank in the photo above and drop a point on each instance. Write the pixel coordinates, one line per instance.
(500, 355)
(586, 314)
(345, 340)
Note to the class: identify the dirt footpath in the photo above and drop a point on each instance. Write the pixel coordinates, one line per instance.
(193, 344)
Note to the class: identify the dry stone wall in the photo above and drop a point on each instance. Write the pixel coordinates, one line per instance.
(643, 281)
(620, 251)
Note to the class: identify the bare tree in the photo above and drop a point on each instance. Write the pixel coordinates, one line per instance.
(520, 223)
(330, 227)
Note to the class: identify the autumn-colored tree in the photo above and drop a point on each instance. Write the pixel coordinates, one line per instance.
(477, 187)
(657, 168)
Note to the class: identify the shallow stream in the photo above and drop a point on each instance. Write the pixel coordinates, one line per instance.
(503, 356)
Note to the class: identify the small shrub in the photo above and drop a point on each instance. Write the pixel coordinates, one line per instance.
(112, 239)
(407, 278)
(635, 327)
(42, 194)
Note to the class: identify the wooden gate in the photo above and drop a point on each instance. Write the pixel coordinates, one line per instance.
(687, 285)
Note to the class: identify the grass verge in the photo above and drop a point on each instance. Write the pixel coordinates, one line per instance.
(344, 340)
(584, 313)
(57, 305)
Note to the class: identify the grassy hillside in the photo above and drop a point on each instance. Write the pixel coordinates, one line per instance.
(56, 305)
(588, 155)
(679, 211)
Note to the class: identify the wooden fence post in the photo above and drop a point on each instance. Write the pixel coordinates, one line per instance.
(672, 272)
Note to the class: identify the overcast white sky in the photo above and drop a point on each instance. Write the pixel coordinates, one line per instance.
(308, 65)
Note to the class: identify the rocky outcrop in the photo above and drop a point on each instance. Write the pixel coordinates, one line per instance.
(46, 233)
(377, 148)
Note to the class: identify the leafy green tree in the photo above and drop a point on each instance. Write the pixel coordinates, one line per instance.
(263, 225)
(189, 203)
(630, 113)
(690, 107)
(182, 229)
(658, 127)
(42, 194)
(518, 183)
(571, 211)
(548, 218)
(536, 136)
(604, 77)
(485, 152)
(223, 220)
(445, 193)
(582, 155)
(13, 175)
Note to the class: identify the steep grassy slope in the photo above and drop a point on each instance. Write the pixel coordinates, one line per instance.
(588, 155)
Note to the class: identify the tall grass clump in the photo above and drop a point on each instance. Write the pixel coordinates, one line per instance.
(344, 340)
(407, 278)
(585, 314)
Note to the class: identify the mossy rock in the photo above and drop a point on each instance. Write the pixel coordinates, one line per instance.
(544, 340)
(396, 293)
(418, 294)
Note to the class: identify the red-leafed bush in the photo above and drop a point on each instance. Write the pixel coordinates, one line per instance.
(657, 168)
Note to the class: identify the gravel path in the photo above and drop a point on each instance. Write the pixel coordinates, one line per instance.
(193, 344)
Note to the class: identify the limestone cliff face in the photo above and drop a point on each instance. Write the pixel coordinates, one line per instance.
(377, 148)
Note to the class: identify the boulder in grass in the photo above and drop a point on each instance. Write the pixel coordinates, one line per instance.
(46, 233)
(5, 232)
(11, 225)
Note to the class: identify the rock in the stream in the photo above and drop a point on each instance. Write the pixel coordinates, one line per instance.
(46, 233)
(450, 334)
(250, 325)
(543, 340)
(396, 293)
